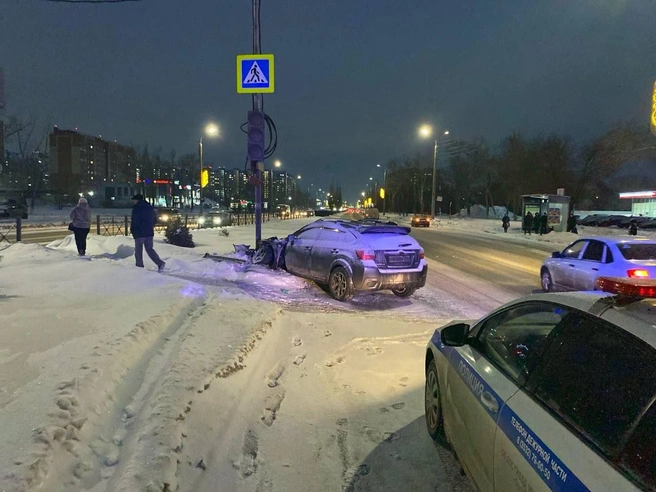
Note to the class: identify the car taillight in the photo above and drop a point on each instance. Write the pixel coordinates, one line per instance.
(639, 287)
(365, 255)
(421, 255)
(637, 272)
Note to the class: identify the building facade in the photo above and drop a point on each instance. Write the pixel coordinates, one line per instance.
(83, 163)
(642, 202)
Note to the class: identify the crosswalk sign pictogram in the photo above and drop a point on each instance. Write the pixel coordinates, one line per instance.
(255, 74)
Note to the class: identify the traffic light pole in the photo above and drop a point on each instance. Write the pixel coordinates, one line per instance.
(257, 166)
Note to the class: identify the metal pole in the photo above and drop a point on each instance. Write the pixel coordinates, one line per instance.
(258, 167)
(434, 181)
(200, 178)
(385, 188)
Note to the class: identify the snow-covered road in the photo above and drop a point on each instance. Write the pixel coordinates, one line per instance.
(213, 376)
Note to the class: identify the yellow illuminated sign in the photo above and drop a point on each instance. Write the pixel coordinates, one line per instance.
(382, 193)
(204, 178)
(653, 110)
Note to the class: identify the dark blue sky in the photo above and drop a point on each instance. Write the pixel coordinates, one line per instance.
(354, 79)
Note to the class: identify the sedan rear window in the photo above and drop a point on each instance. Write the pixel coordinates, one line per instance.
(645, 251)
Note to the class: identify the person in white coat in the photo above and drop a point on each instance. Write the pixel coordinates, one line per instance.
(81, 224)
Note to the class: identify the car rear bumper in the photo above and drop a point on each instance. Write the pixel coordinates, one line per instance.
(373, 279)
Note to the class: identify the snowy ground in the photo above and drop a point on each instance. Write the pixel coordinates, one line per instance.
(118, 378)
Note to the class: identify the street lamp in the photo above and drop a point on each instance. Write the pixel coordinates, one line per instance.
(211, 130)
(426, 131)
(277, 163)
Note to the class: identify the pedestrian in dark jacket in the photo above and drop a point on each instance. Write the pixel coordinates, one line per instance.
(505, 222)
(536, 222)
(633, 228)
(81, 224)
(544, 223)
(528, 223)
(571, 224)
(142, 228)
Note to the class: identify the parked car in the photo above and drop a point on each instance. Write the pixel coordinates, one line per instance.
(420, 221)
(309, 213)
(215, 218)
(592, 220)
(357, 256)
(551, 391)
(167, 215)
(13, 209)
(578, 266)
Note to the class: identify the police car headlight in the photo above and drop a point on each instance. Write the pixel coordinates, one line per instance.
(201, 220)
(217, 220)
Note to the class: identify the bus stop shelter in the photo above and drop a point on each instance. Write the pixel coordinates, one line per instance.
(555, 206)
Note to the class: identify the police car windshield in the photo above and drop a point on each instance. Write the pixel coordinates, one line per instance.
(644, 251)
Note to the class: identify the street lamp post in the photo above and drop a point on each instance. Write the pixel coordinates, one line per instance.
(426, 131)
(211, 130)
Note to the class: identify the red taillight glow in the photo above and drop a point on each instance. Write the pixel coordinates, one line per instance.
(365, 255)
(637, 287)
(637, 273)
(421, 255)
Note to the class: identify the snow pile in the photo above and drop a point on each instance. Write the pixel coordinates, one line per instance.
(102, 362)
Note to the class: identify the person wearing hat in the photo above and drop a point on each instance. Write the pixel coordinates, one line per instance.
(81, 224)
(142, 228)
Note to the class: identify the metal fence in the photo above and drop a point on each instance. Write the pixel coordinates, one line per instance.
(119, 225)
(10, 229)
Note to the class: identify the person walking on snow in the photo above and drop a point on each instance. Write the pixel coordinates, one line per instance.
(633, 228)
(81, 224)
(505, 222)
(142, 228)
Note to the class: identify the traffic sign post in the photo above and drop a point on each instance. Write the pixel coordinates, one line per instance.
(255, 74)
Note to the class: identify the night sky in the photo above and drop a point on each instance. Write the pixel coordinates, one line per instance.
(354, 78)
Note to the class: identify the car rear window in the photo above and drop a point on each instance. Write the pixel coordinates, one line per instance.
(632, 251)
(383, 229)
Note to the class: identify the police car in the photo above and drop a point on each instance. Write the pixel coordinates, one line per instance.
(551, 391)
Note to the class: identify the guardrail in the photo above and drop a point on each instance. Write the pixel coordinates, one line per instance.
(11, 228)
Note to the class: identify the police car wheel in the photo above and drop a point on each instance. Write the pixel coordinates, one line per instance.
(547, 281)
(433, 405)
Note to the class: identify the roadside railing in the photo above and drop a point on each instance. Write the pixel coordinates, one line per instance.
(11, 229)
(118, 225)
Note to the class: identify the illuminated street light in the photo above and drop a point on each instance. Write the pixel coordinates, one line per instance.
(426, 131)
(298, 177)
(277, 163)
(211, 130)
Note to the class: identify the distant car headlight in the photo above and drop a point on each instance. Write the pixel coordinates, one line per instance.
(164, 218)
(217, 220)
(201, 220)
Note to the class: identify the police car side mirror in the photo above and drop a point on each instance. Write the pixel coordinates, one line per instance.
(556, 254)
(455, 335)
(290, 239)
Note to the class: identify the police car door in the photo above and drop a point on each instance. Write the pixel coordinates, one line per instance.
(487, 372)
(581, 402)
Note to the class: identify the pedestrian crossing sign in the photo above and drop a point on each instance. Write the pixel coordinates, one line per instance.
(255, 74)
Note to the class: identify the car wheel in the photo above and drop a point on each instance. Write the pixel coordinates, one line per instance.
(433, 404)
(547, 281)
(339, 284)
(264, 256)
(403, 291)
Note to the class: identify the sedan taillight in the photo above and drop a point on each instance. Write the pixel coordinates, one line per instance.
(365, 255)
(637, 272)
